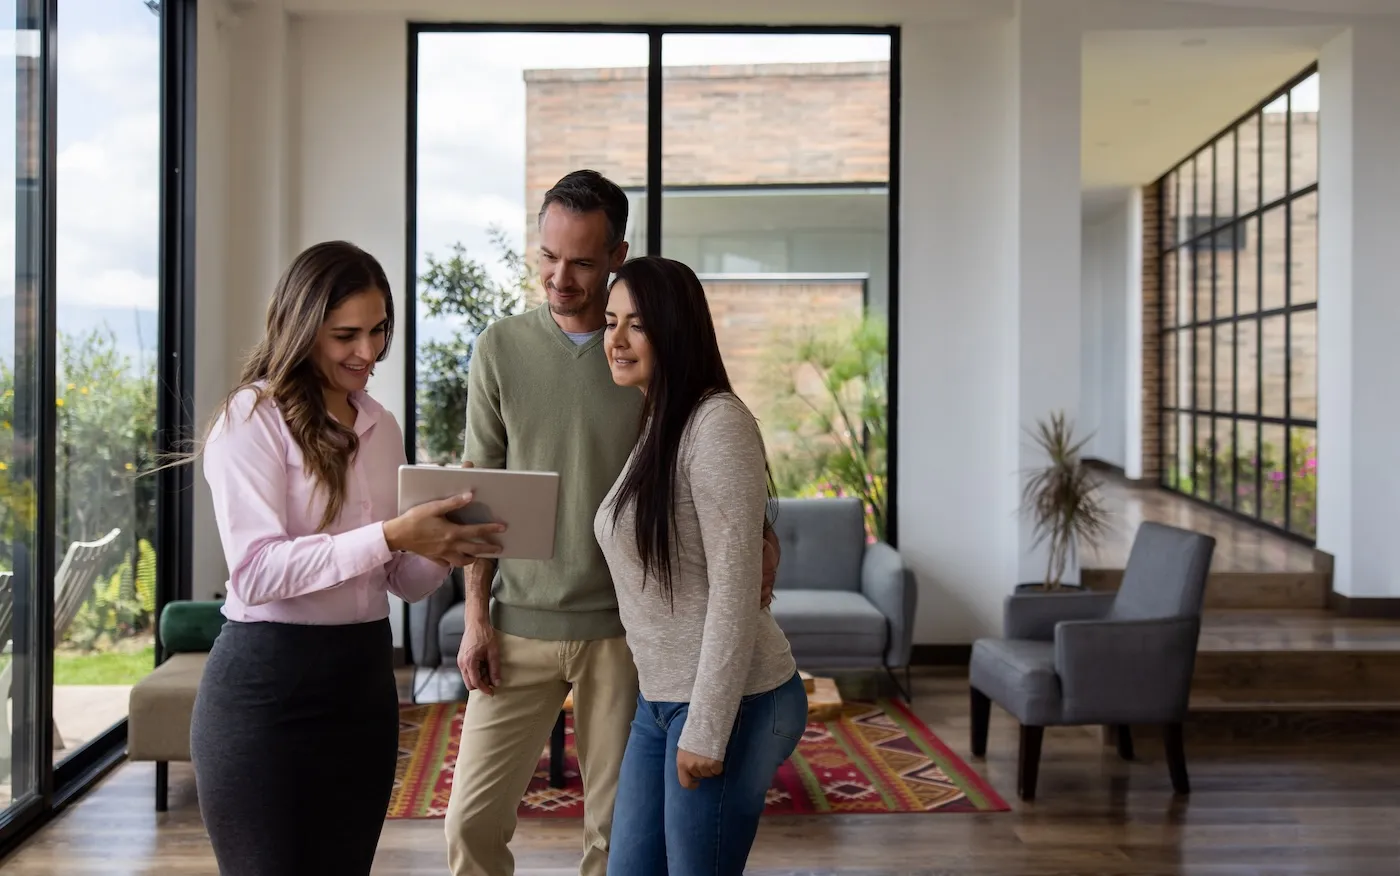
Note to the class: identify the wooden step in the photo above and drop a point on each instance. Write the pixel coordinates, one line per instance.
(1242, 590)
(1295, 660)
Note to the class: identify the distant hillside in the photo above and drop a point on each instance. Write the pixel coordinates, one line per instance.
(132, 328)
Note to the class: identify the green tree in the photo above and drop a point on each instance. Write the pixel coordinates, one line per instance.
(832, 412)
(465, 291)
(106, 418)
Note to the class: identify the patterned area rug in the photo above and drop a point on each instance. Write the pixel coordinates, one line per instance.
(878, 757)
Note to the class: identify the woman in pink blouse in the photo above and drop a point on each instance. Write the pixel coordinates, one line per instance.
(295, 729)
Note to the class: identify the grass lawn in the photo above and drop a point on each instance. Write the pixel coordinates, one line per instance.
(105, 668)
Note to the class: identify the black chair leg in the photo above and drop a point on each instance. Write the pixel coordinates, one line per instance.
(1125, 741)
(162, 786)
(906, 690)
(556, 753)
(1029, 761)
(981, 718)
(1176, 759)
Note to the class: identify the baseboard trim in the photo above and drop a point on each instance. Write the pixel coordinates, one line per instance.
(1381, 607)
(941, 655)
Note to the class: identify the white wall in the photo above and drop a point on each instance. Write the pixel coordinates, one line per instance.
(956, 315)
(1359, 310)
(1047, 98)
(213, 298)
(350, 163)
(1105, 311)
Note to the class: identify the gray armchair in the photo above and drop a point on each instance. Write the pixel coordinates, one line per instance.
(436, 624)
(1100, 658)
(843, 603)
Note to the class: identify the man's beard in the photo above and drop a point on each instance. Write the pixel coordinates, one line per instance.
(576, 306)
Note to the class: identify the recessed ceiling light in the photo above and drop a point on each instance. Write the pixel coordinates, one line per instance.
(1194, 41)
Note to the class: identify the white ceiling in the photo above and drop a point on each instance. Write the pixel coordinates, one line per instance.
(1153, 97)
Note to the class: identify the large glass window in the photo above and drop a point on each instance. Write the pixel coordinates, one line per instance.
(500, 117)
(93, 276)
(1239, 327)
(21, 257)
(108, 235)
(773, 173)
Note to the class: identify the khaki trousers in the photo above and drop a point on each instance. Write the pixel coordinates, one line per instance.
(504, 734)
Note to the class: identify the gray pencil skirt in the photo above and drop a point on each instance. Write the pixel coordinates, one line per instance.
(294, 740)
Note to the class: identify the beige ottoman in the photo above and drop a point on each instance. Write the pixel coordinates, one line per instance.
(158, 725)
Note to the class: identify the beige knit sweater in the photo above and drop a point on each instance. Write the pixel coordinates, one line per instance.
(719, 645)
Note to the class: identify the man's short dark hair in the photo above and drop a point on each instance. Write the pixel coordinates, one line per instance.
(584, 191)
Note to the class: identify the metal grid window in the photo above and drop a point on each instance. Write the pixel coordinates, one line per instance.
(1238, 273)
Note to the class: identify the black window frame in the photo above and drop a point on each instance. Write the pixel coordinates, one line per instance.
(1205, 237)
(655, 191)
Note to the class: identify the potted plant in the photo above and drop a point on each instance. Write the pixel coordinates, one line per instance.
(1062, 498)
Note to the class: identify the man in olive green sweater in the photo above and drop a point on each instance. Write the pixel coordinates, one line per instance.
(540, 397)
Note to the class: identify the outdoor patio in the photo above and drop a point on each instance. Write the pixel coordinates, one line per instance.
(81, 712)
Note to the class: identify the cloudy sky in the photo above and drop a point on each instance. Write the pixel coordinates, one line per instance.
(108, 167)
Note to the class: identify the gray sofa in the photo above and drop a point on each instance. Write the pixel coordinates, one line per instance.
(843, 604)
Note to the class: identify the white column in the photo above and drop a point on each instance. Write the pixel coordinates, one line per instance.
(957, 324)
(1359, 310)
(1132, 333)
(989, 298)
(1048, 229)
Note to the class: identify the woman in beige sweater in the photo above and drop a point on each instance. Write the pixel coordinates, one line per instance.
(721, 704)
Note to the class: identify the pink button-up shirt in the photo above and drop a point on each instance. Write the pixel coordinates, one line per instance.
(268, 509)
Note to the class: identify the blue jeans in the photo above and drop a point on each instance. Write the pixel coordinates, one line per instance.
(660, 828)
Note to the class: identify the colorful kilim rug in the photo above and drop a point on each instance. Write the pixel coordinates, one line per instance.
(877, 757)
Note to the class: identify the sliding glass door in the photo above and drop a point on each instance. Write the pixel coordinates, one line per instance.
(789, 222)
(93, 331)
(22, 672)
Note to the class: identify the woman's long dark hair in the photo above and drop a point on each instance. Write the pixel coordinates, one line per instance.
(687, 368)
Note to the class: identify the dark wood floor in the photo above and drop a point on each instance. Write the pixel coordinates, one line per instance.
(1327, 805)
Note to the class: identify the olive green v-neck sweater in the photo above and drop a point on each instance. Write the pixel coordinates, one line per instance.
(536, 401)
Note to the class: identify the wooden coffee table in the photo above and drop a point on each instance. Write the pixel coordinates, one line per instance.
(823, 699)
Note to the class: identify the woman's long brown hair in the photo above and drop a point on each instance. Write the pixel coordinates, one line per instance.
(317, 281)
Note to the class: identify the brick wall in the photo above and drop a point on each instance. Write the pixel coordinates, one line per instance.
(757, 321)
(722, 125)
(1151, 334)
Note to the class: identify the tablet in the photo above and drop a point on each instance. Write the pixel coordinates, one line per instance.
(525, 501)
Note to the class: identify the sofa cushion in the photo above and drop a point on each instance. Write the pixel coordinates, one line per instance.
(160, 706)
(451, 627)
(1018, 675)
(830, 624)
(823, 544)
